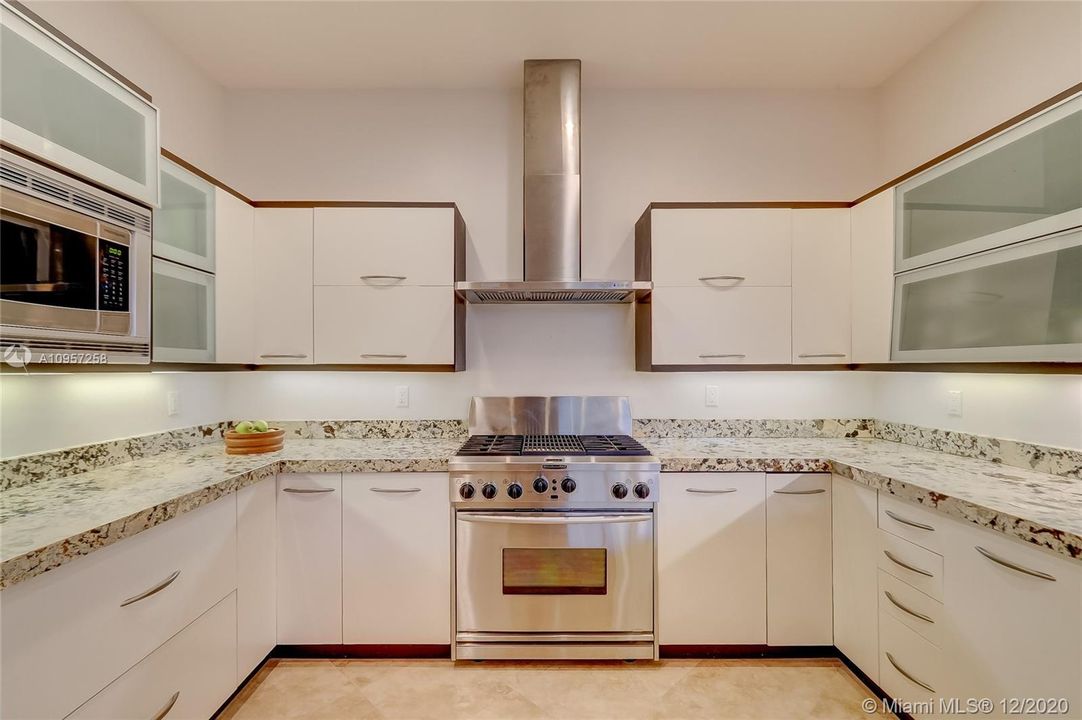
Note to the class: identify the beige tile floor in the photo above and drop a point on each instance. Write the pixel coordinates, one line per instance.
(668, 690)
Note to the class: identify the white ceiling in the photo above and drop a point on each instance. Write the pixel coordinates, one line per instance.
(453, 44)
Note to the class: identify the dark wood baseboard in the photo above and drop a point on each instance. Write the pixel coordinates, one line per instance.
(876, 691)
(396, 652)
(746, 651)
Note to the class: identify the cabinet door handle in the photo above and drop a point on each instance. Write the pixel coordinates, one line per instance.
(820, 355)
(906, 675)
(167, 707)
(383, 277)
(904, 609)
(910, 523)
(1014, 566)
(151, 591)
(298, 356)
(395, 490)
(708, 278)
(816, 491)
(907, 566)
(382, 355)
(702, 491)
(722, 355)
(307, 491)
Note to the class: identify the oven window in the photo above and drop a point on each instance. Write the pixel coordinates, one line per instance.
(47, 264)
(554, 571)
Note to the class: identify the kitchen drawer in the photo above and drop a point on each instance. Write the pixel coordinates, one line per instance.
(406, 246)
(188, 677)
(918, 525)
(720, 326)
(361, 325)
(67, 633)
(911, 607)
(737, 247)
(910, 667)
(923, 569)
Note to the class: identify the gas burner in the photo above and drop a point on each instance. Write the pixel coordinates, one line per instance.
(563, 445)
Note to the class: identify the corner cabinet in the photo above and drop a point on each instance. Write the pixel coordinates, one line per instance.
(872, 276)
(58, 105)
(282, 266)
(742, 286)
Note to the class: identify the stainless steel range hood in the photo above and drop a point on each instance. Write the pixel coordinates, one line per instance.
(551, 205)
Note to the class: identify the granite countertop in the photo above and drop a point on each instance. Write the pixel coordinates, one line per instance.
(45, 524)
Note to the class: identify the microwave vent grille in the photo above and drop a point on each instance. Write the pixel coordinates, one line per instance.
(131, 352)
(37, 184)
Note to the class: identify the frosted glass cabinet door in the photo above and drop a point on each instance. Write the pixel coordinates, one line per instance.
(183, 311)
(1020, 303)
(1019, 185)
(57, 105)
(184, 224)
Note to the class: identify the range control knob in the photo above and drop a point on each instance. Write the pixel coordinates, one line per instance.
(567, 485)
(465, 491)
(514, 491)
(540, 484)
(642, 491)
(489, 491)
(619, 491)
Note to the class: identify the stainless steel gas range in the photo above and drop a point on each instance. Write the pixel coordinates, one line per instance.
(554, 524)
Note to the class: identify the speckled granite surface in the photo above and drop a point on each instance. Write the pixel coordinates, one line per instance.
(44, 525)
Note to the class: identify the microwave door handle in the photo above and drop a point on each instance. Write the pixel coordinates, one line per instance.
(558, 520)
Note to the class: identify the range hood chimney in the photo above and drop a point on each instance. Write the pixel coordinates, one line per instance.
(551, 204)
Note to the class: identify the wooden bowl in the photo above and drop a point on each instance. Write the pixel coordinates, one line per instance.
(252, 443)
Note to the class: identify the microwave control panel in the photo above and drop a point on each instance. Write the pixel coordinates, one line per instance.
(113, 278)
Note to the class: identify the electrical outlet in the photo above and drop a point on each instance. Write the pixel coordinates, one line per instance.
(713, 396)
(954, 403)
(402, 396)
(172, 402)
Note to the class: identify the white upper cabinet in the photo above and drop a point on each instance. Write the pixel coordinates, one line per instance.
(1023, 183)
(236, 303)
(871, 277)
(821, 323)
(61, 107)
(283, 284)
(385, 246)
(721, 247)
(184, 224)
(183, 313)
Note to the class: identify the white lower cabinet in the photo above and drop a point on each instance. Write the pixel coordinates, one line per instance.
(711, 550)
(256, 575)
(396, 563)
(911, 669)
(309, 511)
(1015, 625)
(855, 574)
(187, 678)
(798, 549)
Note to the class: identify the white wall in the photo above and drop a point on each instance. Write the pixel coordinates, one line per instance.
(45, 412)
(1045, 409)
(996, 61)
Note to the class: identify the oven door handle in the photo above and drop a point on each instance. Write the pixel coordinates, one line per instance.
(559, 520)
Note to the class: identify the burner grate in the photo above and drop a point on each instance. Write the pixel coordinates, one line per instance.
(560, 444)
(552, 445)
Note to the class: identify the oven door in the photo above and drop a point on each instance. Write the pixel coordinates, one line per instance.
(555, 572)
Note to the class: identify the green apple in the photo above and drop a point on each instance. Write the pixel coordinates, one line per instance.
(260, 425)
(244, 427)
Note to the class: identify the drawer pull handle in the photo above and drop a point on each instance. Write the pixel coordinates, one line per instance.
(152, 591)
(383, 277)
(910, 523)
(722, 355)
(297, 356)
(820, 355)
(167, 707)
(307, 491)
(708, 278)
(702, 491)
(904, 609)
(907, 676)
(816, 491)
(396, 490)
(383, 355)
(907, 566)
(1014, 566)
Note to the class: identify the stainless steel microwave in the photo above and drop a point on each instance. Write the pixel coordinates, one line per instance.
(74, 268)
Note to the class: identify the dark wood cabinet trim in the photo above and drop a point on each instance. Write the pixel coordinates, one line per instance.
(1017, 368)
(769, 205)
(168, 154)
(437, 652)
(348, 204)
